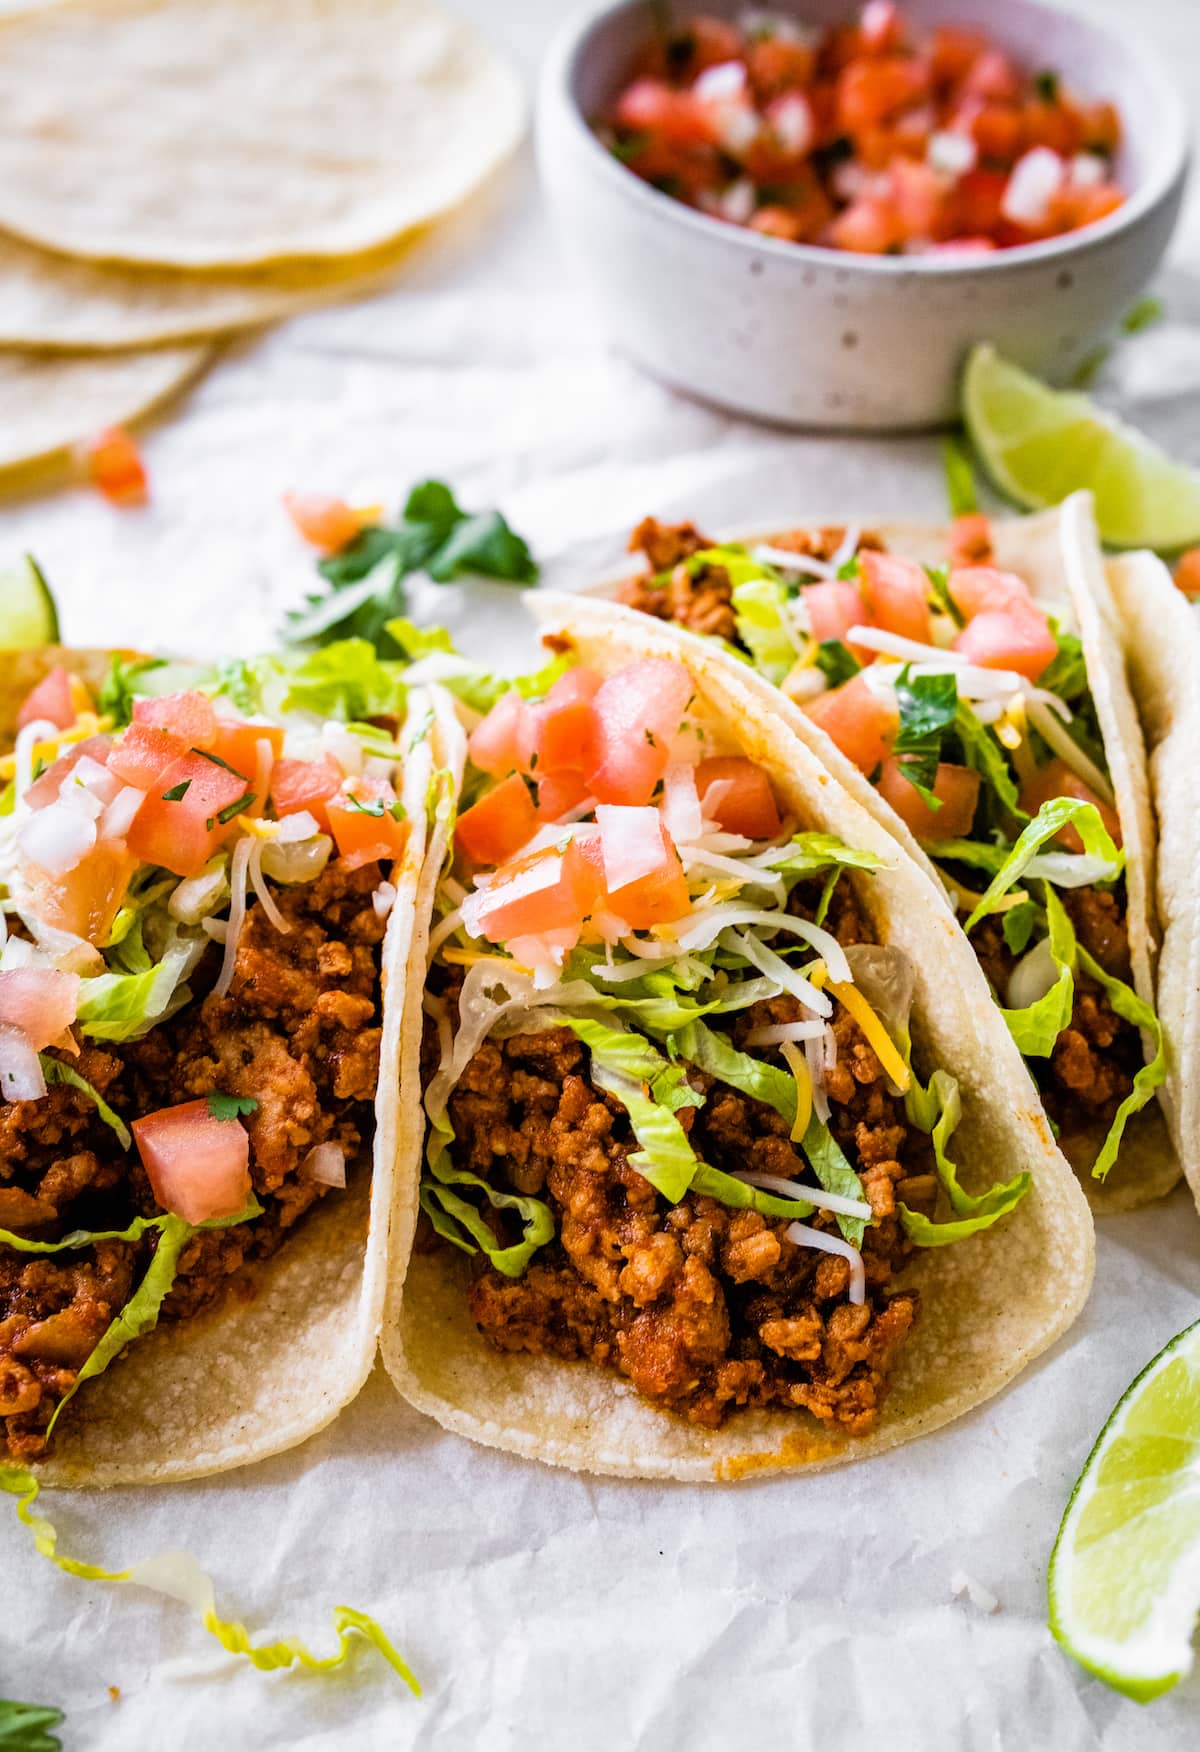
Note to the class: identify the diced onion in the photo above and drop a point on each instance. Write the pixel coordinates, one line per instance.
(793, 125)
(117, 819)
(21, 1074)
(738, 201)
(681, 803)
(325, 1164)
(1034, 179)
(295, 860)
(953, 154)
(384, 899)
(1088, 169)
(198, 896)
(300, 826)
(813, 1195)
(720, 84)
(801, 1235)
(57, 838)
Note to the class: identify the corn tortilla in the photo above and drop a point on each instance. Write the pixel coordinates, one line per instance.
(233, 133)
(990, 1304)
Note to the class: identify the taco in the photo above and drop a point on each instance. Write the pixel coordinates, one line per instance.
(729, 1162)
(1161, 633)
(966, 685)
(208, 884)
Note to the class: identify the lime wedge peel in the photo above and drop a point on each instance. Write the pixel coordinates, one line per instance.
(1124, 1578)
(1040, 444)
(27, 612)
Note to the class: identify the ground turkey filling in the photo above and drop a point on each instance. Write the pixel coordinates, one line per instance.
(298, 1031)
(1096, 1057)
(704, 1308)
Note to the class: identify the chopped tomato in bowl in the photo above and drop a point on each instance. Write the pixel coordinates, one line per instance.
(877, 137)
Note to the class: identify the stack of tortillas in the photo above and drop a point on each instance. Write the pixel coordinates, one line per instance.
(174, 170)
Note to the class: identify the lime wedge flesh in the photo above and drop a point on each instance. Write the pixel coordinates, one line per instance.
(27, 612)
(1040, 444)
(1125, 1574)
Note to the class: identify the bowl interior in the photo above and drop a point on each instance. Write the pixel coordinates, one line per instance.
(1089, 60)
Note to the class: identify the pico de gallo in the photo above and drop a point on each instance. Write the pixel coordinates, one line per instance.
(966, 704)
(193, 896)
(863, 136)
(672, 1113)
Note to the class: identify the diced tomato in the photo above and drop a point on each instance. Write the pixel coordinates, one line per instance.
(558, 794)
(328, 523)
(777, 222)
(868, 226)
(1050, 124)
(896, 593)
(921, 200)
(638, 710)
(978, 199)
(872, 91)
(651, 106)
(1187, 572)
(987, 590)
(955, 787)
(52, 701)
(305, 785)
(495, 743)
(1056, 779)
(953, 52)
(641, 871)
(364, 822)
(114, 465)
(997, 131)
(40, 1001)
(1009, 639)
(558, 734)
(237, 743)
(777, 64)
(45, 790)
(494, 829)
(86, 900)
(1071, 206)
(992, 75)
(970, 540)
(966, 246)
(182, 832)
(546, 891)
(863, 726)
(189, 715)
(1101, 127)
(143, 754)
(199, 1166)
(736, 793)
(833, 608)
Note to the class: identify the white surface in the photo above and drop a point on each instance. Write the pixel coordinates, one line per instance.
(542, 1610)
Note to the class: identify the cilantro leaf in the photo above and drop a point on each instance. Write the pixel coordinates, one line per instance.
(939, 593)
(116, 696)
(836, 661)
(230, 1106)
(434, 535)
(24, 1727)
(928, 706)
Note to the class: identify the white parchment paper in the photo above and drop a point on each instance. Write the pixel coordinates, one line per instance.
(539, 1609)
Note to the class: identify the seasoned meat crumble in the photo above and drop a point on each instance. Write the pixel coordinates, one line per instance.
(298, 1032)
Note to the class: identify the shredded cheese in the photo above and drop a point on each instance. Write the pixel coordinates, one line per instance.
(480, 958)
(880, 1041)
(87, 724)
(797, 1064)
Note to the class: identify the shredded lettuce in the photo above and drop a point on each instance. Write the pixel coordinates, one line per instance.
(81, 1237)
(726, 1188)
(140, 1313)
(807, 853)
(760, 608)
(1038, 1025)
(981, 752)
(937, 1109)
(55, 1071)
(718, 1056)
(125, 1006)
(25, 1727)
(345, 680)
(1049, 821)
(665, 1158)
(631, 1055)
(834, 1173)
(1017, 926)
(1071, 956)
(178, 1576)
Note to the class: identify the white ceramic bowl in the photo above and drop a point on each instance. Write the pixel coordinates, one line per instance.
(819, 337)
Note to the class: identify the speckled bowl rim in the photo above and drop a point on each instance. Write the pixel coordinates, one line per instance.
(558, 84)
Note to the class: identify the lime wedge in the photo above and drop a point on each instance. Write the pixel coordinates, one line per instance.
(1125, 1574)
(1040, 444)
(27, 612)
